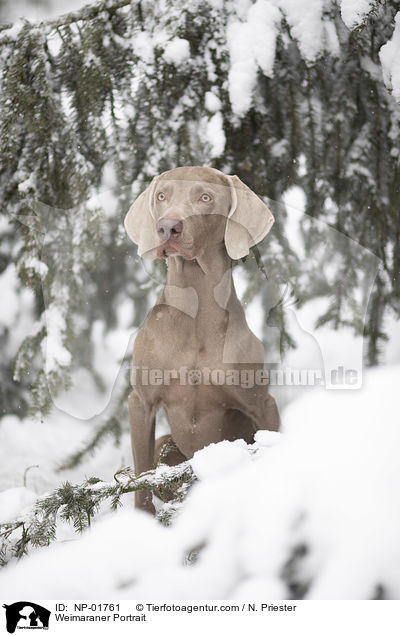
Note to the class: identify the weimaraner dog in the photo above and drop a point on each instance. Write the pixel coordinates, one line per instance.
(195, 353)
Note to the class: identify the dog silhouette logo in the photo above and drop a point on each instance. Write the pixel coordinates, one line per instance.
(26, 615)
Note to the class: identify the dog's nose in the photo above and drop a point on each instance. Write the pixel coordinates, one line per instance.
(169, 228)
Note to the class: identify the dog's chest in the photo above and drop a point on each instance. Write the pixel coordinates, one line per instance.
(171, 339)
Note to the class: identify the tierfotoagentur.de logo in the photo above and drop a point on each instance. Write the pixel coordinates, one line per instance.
(26, 615)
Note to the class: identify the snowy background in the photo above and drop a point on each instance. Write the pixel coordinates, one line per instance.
(312, 511)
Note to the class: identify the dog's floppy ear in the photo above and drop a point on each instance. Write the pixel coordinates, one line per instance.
(249, 220)
(140, 224)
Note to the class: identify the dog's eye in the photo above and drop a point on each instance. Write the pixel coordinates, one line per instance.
(160, 196)
(205, 197)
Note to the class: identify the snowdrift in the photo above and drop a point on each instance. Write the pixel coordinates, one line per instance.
(311, 512)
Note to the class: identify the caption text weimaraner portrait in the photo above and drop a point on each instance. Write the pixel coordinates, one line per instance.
(191, 353)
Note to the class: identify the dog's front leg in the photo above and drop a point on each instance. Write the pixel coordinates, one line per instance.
(267, 417)
(271, 415)
(142, 423)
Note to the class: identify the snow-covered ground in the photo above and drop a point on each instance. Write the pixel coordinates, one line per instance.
(312, 509)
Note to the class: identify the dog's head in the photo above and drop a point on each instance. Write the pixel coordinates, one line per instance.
(185, 210)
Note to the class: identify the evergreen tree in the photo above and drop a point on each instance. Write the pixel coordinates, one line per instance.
(120, 91)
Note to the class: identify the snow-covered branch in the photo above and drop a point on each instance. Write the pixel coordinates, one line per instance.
(88, 12)
(78, 504)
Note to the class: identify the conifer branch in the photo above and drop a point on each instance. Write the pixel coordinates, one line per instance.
(88, 12)
(78, 504)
